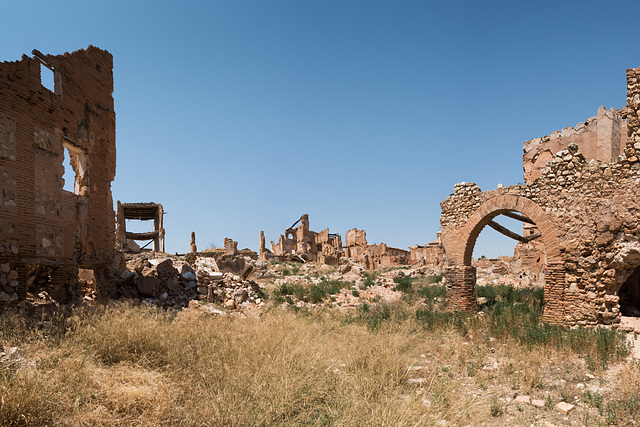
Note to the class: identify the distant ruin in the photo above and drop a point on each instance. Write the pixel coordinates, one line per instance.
(47, 233)
(299, 242)
(581, 213)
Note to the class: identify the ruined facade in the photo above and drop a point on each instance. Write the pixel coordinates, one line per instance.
(583, 212)
(372, 257)
(431, 254)
(300, 241)
(46, 232)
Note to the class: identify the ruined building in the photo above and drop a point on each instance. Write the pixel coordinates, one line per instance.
(372, 257)
(580, 206)
(322, 247)
(431, 254)
(46, 232)
(298, 242)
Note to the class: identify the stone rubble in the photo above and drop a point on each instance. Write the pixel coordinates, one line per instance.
(167, 281)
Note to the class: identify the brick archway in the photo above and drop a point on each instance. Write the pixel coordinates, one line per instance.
(459, 244)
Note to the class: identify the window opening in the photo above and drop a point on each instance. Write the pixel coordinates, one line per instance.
(47, 78)
(69, 175)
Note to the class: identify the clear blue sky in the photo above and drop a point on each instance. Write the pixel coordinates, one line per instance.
(240, 115)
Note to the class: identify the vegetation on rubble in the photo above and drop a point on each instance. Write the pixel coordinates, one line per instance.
(121, 364)
(313, 293)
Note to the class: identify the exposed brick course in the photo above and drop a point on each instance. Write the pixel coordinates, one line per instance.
(40, 223)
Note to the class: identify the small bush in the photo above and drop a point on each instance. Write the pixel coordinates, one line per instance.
(370, 277)
(435, 279)
(403, 284)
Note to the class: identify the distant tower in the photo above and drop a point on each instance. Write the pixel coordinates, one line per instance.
(194, 248)
(263, 249)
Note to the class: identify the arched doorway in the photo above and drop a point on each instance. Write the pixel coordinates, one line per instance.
(459, 244)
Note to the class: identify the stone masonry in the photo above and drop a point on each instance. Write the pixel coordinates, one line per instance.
(46, 231)
(583, 207)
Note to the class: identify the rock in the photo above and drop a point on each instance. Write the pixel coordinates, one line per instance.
(191, 285)
(139, 265)
(194, 305)
(4, 297)
(522, 399)
(187, 273)
(564, 407)
(164, 296)
(5, 268)
(126, 275)
(538, 403)
(230, 304)
(216, 276)
(174, 285)
(166, 270)
(148, 286)
(150, 271)
(344, 268)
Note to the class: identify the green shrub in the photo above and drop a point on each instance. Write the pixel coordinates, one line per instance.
(403, 284)
(370, 277)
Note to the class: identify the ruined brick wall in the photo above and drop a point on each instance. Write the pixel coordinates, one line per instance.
(40, 223)
(355, 237)
(601, 138)
(587, 213)
(431, 255)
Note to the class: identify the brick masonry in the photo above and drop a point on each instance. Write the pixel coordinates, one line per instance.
(586, 210)
(41, 224)
(461, 293)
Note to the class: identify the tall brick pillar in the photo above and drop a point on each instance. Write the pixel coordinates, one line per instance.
(461, 288)
(554, 293)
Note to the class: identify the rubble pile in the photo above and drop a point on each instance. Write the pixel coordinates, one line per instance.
(170, 282)
(228, 289)
(358, 286)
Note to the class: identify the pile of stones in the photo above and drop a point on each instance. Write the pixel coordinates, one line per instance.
(8, 283)
(172, 283)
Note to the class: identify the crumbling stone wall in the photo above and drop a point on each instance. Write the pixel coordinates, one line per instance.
(372, 256)
(42, 226)
(588, 216)
(601, 138)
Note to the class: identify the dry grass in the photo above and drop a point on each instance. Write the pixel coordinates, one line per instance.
(120, 365)
(125, 365)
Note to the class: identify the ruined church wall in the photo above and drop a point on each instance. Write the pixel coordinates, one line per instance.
(41, 222)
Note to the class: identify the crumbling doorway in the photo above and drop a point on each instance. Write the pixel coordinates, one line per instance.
(629, 294)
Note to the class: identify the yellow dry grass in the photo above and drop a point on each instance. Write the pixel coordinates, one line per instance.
(124, 365)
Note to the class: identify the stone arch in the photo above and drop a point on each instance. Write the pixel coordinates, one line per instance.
(459, 246)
